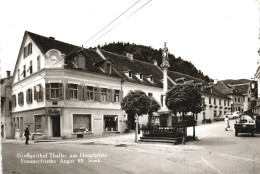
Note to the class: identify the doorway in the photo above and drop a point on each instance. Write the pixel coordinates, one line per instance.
(56, 126)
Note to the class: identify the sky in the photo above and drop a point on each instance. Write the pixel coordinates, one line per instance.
(220, 37)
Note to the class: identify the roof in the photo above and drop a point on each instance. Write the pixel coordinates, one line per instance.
(121, 64)
(242, 89)
(226, 88)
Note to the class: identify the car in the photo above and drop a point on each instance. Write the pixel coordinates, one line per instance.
(236, 114)
(219, 118)
(245, 125)
(229, 115)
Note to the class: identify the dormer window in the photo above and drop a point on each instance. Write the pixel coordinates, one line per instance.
(150, 78)
(128, 73)
(139, 76)
(180, 80)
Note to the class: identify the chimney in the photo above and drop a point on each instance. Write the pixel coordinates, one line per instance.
(215, 81)
(8, 74)
(130, 56)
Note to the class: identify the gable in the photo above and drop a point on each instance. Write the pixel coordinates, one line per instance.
(26, 62)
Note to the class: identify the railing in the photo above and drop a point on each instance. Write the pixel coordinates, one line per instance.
(155, 130)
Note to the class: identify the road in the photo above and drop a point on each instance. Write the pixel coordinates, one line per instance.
(216, 151)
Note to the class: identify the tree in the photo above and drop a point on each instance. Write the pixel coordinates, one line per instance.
(154, 107)
(136, 103)
(184, 98)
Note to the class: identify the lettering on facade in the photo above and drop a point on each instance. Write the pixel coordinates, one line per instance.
(53, 111)
(97, 118)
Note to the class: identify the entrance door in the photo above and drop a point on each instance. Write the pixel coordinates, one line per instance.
(56, 126)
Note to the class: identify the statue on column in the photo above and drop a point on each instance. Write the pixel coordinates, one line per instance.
(165, 59)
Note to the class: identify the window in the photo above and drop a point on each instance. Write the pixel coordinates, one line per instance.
(140, 76)
(110, 123)
(235, 99)
(30, 68)
(81, 123)
(54, 90)
(14, 101)
(27, 50)
(10, 105)
(215, 113)
(90, 93)
(29, 96)
(238, 99)
(220, 113)
(108, 68)
(224, 102)
(209, 100)
(38, 94)
(104, 94)
(38, 63)
(24, 71)
(73, 90)
(116, 95)
(150, 78)
(128, 73)
(20, 98)
(38, 123)
(228, 102)
(150, 94)
(214, 101)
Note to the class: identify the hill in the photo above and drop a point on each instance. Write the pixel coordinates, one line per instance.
(148, 54)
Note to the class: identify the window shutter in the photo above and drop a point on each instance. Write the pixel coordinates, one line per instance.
(108, 95)
(35, 93)
(22, 98)
(60, 91)
(68, 91)
(27, 96)
(47, 90)
(120, 96)
(95, 94)
(80, 97)
(99, 94)
(112, 95)
(40, 93)
(85, 92)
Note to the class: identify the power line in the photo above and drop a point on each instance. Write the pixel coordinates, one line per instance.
(112, 21)
(124, 19)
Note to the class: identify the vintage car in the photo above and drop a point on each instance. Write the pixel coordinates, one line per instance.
(219, 118)
(245, 125)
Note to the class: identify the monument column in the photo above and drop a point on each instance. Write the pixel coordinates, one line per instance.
(164, 112)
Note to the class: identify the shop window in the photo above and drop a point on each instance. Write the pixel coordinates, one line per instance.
(110, 123)
(38, 123)
(29, 96)
(104, 94)
(81, 123)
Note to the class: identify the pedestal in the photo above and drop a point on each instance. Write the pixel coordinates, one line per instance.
(165, 117)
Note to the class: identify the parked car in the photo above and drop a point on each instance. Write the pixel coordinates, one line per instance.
(229, 115)
(236, 114)
(245, 125)
(219, 118)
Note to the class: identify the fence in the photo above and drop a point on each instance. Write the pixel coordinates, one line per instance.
(154, 130)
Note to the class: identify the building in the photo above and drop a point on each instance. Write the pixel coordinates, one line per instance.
(240, 91)
(62, 90)
(6, 107)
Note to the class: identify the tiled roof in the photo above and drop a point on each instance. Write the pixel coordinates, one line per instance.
(226, 89)
(242, 89)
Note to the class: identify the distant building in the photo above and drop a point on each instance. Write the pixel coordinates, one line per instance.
(6, 107)
(62, 90)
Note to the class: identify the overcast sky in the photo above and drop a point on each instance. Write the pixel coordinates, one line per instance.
(220, 37)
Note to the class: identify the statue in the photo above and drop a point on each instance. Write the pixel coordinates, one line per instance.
(165, 59)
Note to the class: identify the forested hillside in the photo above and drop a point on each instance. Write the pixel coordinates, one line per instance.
(148, 54)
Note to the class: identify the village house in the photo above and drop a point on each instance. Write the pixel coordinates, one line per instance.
(62, 90)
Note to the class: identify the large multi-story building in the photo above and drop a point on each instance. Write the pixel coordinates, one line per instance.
(62, 90)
